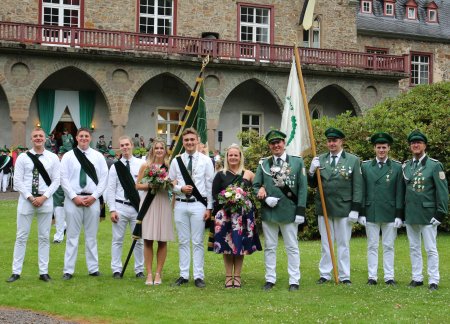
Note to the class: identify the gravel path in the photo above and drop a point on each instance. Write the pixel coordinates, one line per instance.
(18, 316)
(9, 195)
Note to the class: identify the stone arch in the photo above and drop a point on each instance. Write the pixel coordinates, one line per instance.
(333, 100)
(5, 130)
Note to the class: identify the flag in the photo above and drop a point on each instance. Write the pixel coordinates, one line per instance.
(201, 117)
(293, 121)
(307, 14)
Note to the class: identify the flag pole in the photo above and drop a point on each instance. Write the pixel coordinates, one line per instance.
(314, 152)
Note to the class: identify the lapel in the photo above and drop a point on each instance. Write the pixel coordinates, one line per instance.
(380, 173)
(326, 171)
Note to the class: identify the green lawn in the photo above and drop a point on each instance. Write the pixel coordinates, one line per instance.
(104, 299)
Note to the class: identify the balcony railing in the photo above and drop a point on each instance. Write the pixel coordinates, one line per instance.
(216, 48)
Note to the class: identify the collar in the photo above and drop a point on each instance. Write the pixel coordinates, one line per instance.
(376, 161)
(338, 156)
(186, 155)
(82, 151)
(282, 156)
(421, 159)
(125, 160)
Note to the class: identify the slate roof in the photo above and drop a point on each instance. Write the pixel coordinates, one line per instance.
(398, 26)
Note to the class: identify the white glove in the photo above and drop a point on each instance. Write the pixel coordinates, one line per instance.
(398, 223)
(315, 163)
(435, 222)
(362, 220)
(353, 216)
(272, 201)
(299, 219)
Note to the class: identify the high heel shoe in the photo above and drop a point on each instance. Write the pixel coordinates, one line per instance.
(237, 282)
(158, 280)
(149, 281)
(229, 282)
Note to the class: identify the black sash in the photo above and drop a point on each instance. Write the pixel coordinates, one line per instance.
(188, 180)
(285, 189)
(128, 185)
(5, 162)
(86, 165)
(38, 164)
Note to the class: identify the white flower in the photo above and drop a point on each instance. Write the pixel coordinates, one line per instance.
(238, 196)
(228, 194)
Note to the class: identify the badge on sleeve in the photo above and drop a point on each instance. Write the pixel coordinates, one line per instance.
(304, 171)
(442, 175)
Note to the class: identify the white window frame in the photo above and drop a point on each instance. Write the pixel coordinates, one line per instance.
(156, 17)
(260, 114)
(369, 10)
(254, 25)
(311, 42)
(429, 15)
(411, 13)
(419, 67)
(386, 6)
(167, 122)
(62, 35)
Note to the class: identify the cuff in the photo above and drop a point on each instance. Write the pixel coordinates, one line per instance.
(440, 216)
(400, 213)
(356, 206)
(301, 211)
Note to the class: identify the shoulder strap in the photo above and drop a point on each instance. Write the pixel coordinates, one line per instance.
(128, 185)
(87, 165)
(7, 158)
(38, 164)
(188, 180)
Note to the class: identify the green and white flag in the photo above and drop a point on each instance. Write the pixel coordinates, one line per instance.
(293, 122)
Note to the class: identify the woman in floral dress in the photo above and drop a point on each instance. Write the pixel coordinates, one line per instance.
(234, 233)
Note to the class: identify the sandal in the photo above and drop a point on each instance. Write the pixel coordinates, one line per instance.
(149, 281)
(158, 280)
(237, 282)
(229, 282)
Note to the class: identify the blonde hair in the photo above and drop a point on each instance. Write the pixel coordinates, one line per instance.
(241, 163)
(151, 153)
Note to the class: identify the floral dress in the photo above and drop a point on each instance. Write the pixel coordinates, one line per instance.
(234, 233)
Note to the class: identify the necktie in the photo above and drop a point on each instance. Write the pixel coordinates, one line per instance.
(279, 161)
(128, 167)
(83, 179)
(189, 166)
(380, 164)
(333, 162)
(416, 162)
(35, 180)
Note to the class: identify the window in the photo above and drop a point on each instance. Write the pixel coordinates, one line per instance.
(366, 7)
(311, 38)
(63, 13)
(411, 13)
(156, 17)
(251, 121)
(420, 68)
(168, 119)
(375, 50)
(389, 9)
(432, 15)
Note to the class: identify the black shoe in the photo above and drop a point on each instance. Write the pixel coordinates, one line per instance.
(45, 277)
(13, 278)
(199, 283)
(371, 282)
(346, 282)
(116, 275)
(391, 282)
(413, 284)
(322, 280)
(293, 287)
(140, 275)
(67, 276)
(433, 287)
(180, 281)
(56, 241)
(268, 286)
(95, 274)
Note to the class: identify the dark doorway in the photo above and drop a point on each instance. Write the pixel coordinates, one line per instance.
(58, 131)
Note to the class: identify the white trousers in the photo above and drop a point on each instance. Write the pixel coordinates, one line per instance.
(24, 220)
(429, 233)
(289, 233)
(89, 217)
(388, 235)
(60, 223)
(127, 216)
(341, 232)
(190, 226)
(4, 181)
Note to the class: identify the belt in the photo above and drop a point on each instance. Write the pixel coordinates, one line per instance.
(190, 200)
(123, 202)
(38, 195)
(84, 194)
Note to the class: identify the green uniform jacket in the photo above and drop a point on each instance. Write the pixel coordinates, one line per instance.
(384, 191)
(342, 185)
(426, 191)
(67, 141)
(286, 210)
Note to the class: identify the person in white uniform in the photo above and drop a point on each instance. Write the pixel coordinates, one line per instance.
(82, 188)
(122, 211)
(193, 205)
(36, 178)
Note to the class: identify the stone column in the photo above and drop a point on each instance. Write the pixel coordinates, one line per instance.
(212, 134)
(19, 122)
(119, 121)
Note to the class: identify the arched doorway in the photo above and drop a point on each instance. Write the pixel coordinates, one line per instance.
(6, 128)
(331, 101)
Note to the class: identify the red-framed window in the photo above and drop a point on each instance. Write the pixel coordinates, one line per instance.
(64, 13)
(255, 23)
(366, 6)
(411, 10)
(389, 8)
(432, 12)
(421, 67)
(156, 17)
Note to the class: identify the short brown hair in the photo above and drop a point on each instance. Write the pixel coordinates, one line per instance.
(189, 130)
(126, 137)
(84, 129)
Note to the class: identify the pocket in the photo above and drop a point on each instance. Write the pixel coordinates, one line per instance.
(428, 204)
(346, 198)
(368, 203)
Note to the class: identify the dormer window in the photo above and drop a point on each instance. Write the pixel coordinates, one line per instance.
(432, 14)
(388, 9)
(411, 10)
(366, 6)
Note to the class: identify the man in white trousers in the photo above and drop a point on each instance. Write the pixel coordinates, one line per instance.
(122, 211)
(36, 178)
(58, 208)
(193, 205)
(84, 175)
(383, 206)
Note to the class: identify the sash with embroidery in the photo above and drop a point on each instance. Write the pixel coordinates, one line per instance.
(128, 185)
(188, 180)
(38, 164)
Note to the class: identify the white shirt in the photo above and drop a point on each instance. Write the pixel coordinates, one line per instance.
(23, 174)
(202, 175)
(70, 174)
(114, 188)
(282, 156)
(338, 156)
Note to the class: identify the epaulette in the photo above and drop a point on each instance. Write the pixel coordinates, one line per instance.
(433, 159)
(295, 156)
(366, 161)
(396, 161)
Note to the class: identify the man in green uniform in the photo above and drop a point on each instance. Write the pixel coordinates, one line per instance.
(383, 206)
(67, 140)
(342, 183)
(101, 144)
(280, 182)
(426, 204)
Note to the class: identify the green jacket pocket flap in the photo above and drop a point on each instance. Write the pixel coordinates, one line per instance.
(428, 204)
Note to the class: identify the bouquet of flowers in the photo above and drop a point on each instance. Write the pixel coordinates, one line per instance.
(235, 199)
(156, 178)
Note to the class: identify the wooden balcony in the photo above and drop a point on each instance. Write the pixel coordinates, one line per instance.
(216, 48)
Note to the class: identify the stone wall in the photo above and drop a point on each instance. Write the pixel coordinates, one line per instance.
(24, 11)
